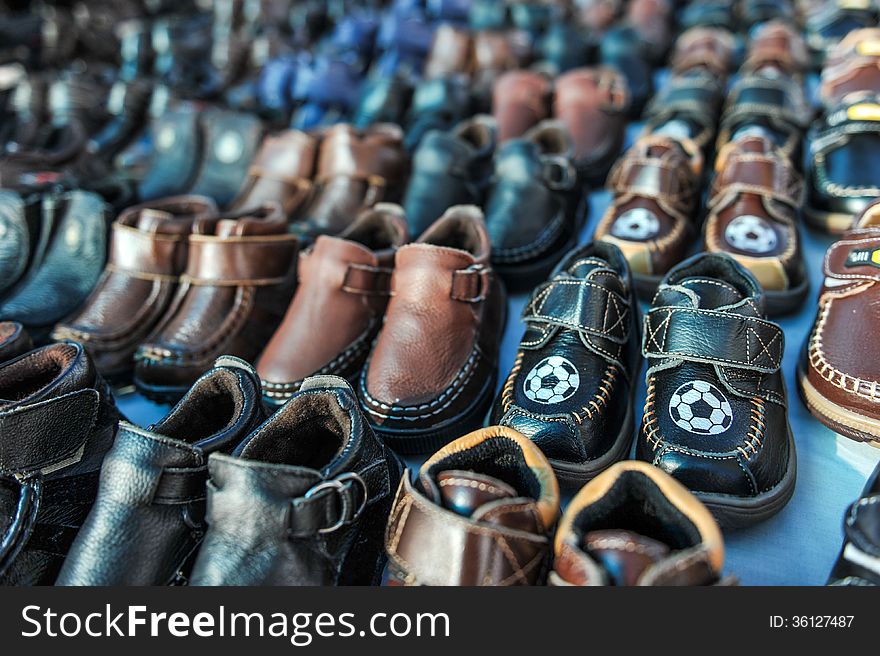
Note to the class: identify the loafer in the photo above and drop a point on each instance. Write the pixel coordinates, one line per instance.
(838, 367)
(519, 102)
(446, 299)
(716, 410)
(383, 100)
(239, 279)
(20, 225)
(437, 105)
(49, 477)
(535, 206)
(14, 340)
(857, 562)
(480, 512)
(652, 19)
(652, 215)
(328, 92)
(149, 515)
(303, 500)
(449, 168)
(711, 49)
(177, 136)
(778, 44)
(753, 208)
(337, 311)
(687, 107)
(623, 50)
(572, 383)
(636, 525)
(148, 254)
(826, 23)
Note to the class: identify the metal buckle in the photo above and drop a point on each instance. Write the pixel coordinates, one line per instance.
(338, 484)
(559, 174)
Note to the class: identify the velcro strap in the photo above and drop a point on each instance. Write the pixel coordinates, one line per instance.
(47, 435)
(647, 177)
(729, 340)
(367, 280)
(178, 485)
(856, 257)
(580, 305)
(470, 285)
(327, 506)
(144, 254)
(233, 261)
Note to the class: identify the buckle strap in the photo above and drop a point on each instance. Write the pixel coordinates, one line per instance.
(471, 285)
(580, 305)
(729, 340)
(258, 260)
(180, 485)
(367, 280)
(327, 506)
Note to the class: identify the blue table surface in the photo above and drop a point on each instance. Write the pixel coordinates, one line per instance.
(799, 545)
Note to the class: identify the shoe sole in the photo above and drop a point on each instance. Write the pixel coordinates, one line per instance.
(835, 223)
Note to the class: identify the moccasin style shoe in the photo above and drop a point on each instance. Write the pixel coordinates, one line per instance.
(149, 515)
(148, 254)
(480, 512)
(778, 44)
(520, 100)
(710, 49)
(337, 311)
(20, 227)
(687, 107)
(535, 207)
(571, 386)
(432, 371)
(238, 282)
(57, 420)
(753, 210)
(177, 136)
(437, 105)
(859, 560)
(303, 500)
(840, 365)
(449, 168)
(716, 411)
(355, 170)
(623, 49)
(636, 525)
(14, 340)
(651, 218)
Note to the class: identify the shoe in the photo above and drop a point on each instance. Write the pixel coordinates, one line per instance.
(355, 170)
(66, 264)
(687, 107)
(852, 67)
(177, 137)
(383, 100)
(148, 254)
(303, 500)
(437, 105)
(14, 341)
(149, 514)
(710, 49)
(836, 370)
(652, 215)
(758, 12)
(520, 100)
(480, 512)
(716, 410)
(652, 19)
(239, 279)
(636, 525)
(779, 45)
(452, 52)
(48, 476)
(564, 46)
(20, 227)
(535, 206)
(623, 50)
(337, 311)
(712, 14)
(327, 92)
(857, 562)
(572, 383)
(445, 320)
(827, 23)
(449, 168)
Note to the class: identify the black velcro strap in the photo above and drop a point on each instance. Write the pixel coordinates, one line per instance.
(730, 340)
(327, 506)
(178, 485)
(580, 305)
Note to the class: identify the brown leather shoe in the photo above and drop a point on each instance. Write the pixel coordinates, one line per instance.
(840, 366)
(704, 48)
(592, 103)
(481, 512)
(14, 340)
(432, 371)
(344, 287)
(452, 51)
(753, 206)
(281, 172)
(519, 102)
(148, 253)
(853, 66)
(356, 170)
(238, 282)
(651, 219)
(776, 43)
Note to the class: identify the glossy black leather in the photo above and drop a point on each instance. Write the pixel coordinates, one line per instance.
(623, 48)
(437, 104)
(55, 434)
(383, 99)
(19, 235)
(563, 47)
(586, 313)
(858, 561)
(283, 508)
(177, 140)
(687, 106)
(69, 259)
(715, 13)
(149, 516)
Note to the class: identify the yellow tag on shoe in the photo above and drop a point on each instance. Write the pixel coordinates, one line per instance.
(864, 112)
(854, 4)
(868, 48)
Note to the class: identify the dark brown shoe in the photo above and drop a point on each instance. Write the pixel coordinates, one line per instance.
(520, 100)
(14, 340)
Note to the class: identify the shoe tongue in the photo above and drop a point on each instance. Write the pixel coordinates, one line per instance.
(623, 555)
(485, 498)
(711, 293)
(582, 267)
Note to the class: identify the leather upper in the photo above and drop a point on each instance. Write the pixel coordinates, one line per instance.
(519, 101)
(14, 340)
(857, 563)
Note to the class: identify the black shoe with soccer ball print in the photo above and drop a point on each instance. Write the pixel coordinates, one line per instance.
(571, 386)
(715, 413)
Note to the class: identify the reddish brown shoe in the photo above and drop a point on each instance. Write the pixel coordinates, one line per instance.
(519, 102)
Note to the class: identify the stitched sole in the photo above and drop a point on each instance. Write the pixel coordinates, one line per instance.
(738, 512)
(839, 419)
(780, 303)
(835, 223)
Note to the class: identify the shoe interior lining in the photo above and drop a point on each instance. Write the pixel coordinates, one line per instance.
(213, 405)
(28, 375)
(374, 232)
(455, 232)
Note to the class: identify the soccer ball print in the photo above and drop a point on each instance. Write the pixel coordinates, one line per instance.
(700, 408)
(637, 223)
(751, 234)
(552, 380)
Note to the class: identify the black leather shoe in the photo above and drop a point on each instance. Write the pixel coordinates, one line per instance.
(716, 411)
(622, 48)
(19, 236)
(177, 139)
(571, 387)
(829, 22)
(536, 206)
(55, 434)
(14, 340)
(449, 168)
(303, 500)
(383, 99)
(687, 107)
(859, 560)
(437, 105)
(149, 515)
